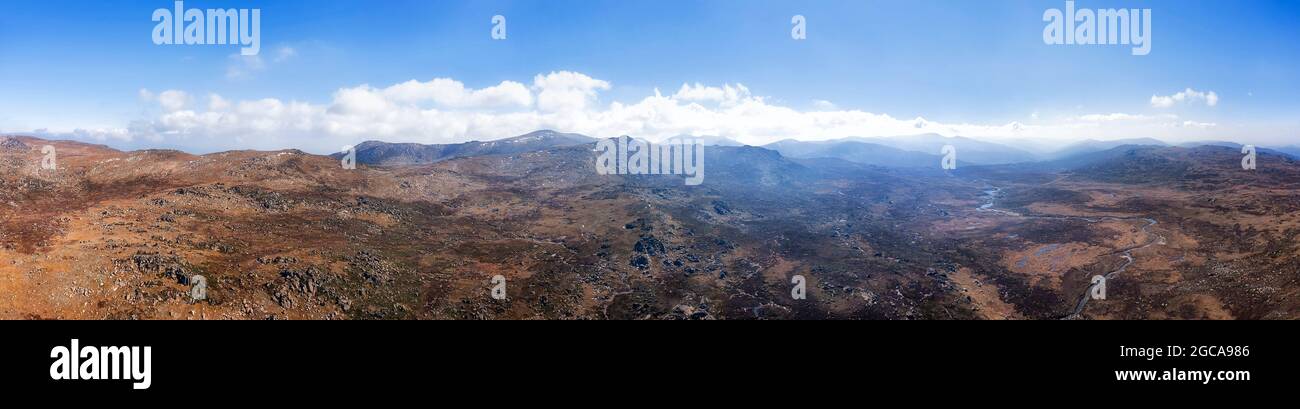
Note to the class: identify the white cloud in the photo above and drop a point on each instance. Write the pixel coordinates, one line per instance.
(451, 93)
(1189, 95)
(1119, 116)
(217, 103)
(566, 91)
(443, 110)
(1202, 125)
(727, 94)
(824, 105)
(173, 100)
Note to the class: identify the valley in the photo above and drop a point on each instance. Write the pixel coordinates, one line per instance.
(1182, 233)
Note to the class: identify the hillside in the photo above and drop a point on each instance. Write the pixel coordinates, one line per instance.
(285, 234)
(395, 154)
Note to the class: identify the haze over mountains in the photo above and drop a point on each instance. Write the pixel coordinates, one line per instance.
(898, 151)
(392, 154)
(1093, 145)
(855, 151)
(1181, 232)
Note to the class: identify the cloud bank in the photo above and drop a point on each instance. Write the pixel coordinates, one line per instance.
(1188, 96)
(444, 110)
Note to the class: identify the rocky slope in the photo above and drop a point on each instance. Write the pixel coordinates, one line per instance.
(285, 234)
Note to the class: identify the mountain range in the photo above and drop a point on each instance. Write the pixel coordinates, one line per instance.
(396, 154)
(423, 232)
(899, 151)
(854, 151)
(969, 150)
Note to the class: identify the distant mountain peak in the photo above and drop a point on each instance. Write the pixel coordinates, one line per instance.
(394, 154)
(710, 140)
(854, 151)
(1092, 145)
(969, 150)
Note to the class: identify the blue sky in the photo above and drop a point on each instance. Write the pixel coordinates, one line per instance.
(978, 68)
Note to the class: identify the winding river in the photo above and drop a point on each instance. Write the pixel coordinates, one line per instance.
(991, 196)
